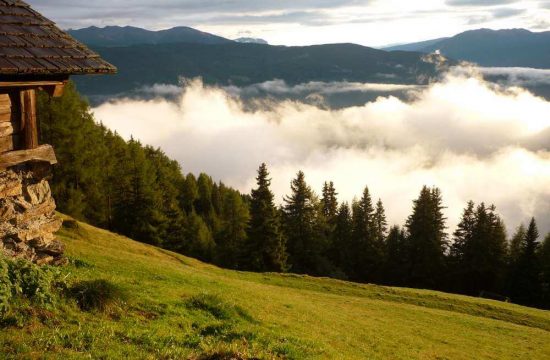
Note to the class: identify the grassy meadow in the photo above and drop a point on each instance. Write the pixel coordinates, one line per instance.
(136, 301)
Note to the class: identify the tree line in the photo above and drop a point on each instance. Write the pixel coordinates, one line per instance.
(139, 192)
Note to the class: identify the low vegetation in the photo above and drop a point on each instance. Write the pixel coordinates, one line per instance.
(122, 299)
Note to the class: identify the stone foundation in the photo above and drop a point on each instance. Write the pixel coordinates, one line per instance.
(27, 216)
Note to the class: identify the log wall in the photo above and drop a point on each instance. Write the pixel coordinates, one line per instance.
(10, 123)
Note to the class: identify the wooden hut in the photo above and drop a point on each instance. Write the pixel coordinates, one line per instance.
(34, 55)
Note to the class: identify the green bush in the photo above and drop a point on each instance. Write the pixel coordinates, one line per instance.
(95, 294)
(23, 280)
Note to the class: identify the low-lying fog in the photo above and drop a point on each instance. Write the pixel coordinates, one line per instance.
(474, 139)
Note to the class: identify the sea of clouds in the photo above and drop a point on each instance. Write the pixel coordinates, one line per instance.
(475, 140)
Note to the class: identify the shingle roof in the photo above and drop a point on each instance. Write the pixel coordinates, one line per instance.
(32, 44)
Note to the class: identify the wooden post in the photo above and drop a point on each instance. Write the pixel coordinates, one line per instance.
(29, 125)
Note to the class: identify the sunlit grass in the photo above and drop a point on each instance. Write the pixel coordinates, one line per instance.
(165, 306)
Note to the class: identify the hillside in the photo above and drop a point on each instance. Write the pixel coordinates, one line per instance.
(128, 35)
(245, 64)
(176, 307)
(508, 48)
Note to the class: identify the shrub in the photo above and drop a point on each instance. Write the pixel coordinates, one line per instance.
(23, 280)
(95, 294)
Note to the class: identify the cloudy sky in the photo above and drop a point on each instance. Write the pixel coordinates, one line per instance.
(301, 22)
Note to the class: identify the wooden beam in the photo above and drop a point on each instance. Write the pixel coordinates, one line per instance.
(42, 153)
(55, 90)
(29, 84)
(29, 124)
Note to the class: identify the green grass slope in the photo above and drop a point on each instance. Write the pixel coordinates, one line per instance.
(168, 306)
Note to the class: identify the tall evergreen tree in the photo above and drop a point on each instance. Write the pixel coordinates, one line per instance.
(342, 251)
(306, 241)
(525, 276)
(232, 239)
(265, 249)
(139, 203)
(329, 201)
(516, 242)
(544, 260)
(478, 254)
(368, 247)
(426, 240)
(394, 257)
(380, 222)
(526, 285)
(189, 193)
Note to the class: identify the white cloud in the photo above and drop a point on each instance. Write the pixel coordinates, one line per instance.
(473, 140)
(520, 76)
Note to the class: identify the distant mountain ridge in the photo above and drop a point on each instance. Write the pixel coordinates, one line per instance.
(498, 48)
(241, 64)
(116, 36)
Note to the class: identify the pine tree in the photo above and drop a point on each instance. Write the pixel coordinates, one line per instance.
(265, 248)
(235, 216)
(544, 260)
(329, 201)
(515, 243)
(426, 240)
(138, 203)
(342, 246)
(200, 242)
(525, 276)
(394, 261)
(380, 222)
(368, 248)
(189, 193)
(326, 221)
(306, 242)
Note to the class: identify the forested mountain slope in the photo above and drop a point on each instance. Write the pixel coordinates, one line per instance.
(245, 64)
(507, 48)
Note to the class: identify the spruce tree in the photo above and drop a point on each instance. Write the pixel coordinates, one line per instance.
(265, 248)
(368, 248)
(342, 246)
(544, 260)
(380, 222)
(394, 257)
(235, 216)
(329, 201)
(189, 193)
(426, 240)
(525, 276)
(326, 221)
(306, 240)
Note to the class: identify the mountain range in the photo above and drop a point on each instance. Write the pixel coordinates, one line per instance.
(146, 57)
(505, 48)
(116, 36)
(245, 64)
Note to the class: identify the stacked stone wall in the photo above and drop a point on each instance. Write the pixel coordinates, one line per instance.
(27, 216)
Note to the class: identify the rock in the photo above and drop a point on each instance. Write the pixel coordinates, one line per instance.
(10, 185)
(38, 193)
(54, 248)
(27, 216)
(43, 259)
